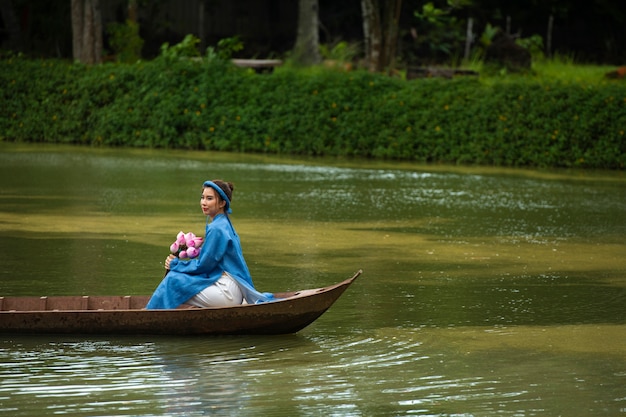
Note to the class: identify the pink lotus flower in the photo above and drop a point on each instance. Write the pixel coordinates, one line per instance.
(186, 245)
(192, 252)
(195, 242)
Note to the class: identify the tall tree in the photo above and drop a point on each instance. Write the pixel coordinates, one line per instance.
(380, 30)
(87, 31)
(306, 50)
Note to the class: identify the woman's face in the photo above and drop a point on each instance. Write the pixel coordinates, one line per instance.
(210, 203)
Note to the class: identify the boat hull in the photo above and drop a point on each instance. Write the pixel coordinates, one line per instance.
(126, 315)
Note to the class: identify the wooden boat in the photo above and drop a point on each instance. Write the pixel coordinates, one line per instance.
(126, 314)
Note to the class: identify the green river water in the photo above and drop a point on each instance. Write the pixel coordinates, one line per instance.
(485, 292)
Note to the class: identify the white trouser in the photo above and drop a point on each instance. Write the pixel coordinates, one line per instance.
(224, 293)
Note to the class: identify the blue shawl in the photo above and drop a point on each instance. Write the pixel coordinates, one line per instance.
(220, 252)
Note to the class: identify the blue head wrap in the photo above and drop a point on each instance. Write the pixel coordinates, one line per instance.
(221, 193)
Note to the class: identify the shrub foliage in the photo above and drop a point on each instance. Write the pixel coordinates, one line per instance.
(212, 105)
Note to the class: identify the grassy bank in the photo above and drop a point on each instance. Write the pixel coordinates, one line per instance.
(513, 121)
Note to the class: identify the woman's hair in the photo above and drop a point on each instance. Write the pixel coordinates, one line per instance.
(227, 187)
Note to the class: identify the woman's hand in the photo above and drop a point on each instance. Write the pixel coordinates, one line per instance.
(168, 260)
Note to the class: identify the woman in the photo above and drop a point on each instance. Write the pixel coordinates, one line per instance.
(219, 276)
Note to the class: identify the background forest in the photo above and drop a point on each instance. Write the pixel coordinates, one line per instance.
(427, 32)
(405, 80)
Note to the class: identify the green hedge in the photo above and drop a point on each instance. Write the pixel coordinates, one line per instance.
(215, 106)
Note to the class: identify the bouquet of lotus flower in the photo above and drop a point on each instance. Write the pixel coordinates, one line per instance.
(186, 245)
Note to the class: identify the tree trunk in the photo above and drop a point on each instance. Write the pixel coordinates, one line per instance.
(306, 50)
(12, 26)
(77, 28)
(88, 55)
(549, 37)
(380, 29)
(469, 38)
(97, 31)
(87, 31)
(392, 20)
(373, 34)
(132, 10)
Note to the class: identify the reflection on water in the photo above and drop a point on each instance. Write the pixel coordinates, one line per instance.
(485, 292)
(391, 371)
